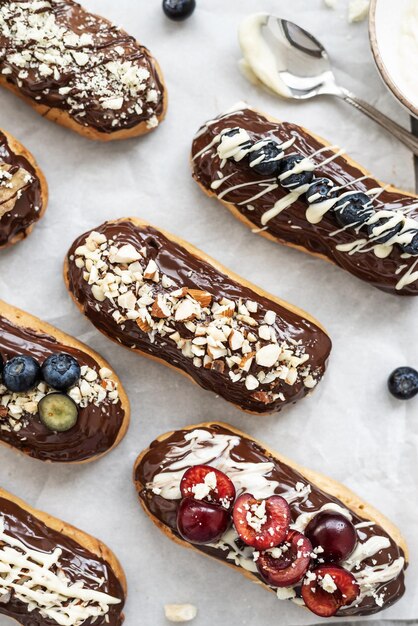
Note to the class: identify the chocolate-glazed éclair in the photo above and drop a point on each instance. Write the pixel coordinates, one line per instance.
(21, 200)
(78, 69)
(373, 249)
(101, 418)
(378, 561)
(49, 603)
(154, 293)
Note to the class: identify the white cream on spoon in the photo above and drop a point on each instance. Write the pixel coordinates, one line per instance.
(259, 63)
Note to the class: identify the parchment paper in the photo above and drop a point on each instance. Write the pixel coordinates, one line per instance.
(350, 428)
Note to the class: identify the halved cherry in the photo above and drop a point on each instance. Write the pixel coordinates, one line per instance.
(203, 482)
(291, 563)
(201, 522)
(261, 524)
(327, 588)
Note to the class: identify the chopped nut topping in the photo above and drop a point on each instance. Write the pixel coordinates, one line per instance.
(232, 337)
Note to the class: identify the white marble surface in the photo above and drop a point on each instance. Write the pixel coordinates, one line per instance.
(350, 428)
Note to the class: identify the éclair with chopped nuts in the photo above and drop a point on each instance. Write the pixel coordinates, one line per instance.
(23, 191)
(98, 397)
(79, 70)
(53, 573)
(156, 294)
(214, 471)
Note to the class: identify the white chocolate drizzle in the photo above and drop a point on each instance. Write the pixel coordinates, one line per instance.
(36, 579)
(211, 448)
(379, 225)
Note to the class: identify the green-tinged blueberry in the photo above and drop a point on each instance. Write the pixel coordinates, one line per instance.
(58, 412)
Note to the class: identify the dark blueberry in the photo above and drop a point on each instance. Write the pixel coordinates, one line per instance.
(320, 189)
(21, 373)
(403, 383)
(231, 133)
(353, 209)
(266, 159)
(386, 234)
(412, 246)
(178, 9)
(61, 371)
(294, 180)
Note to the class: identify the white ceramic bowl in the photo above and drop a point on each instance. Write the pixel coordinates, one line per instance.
(390, 30)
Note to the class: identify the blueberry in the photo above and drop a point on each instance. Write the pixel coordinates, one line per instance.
(294, 180)
(265, 159)
(412, 246)
(178, 9)
(231, 133)
(61, 371)
(58, 412)
(353, 209)
(386, 234)
(403, 383)
(21, 373)
(320, 189)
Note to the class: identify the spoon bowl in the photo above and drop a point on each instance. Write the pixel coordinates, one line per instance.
(307, 69)
(290, 62)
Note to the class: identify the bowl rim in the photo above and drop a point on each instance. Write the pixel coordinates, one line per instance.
(399, 95)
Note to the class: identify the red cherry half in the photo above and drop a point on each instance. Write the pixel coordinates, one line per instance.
(208, 482)
(334, 533)
(343, 589)
(291, 565)
(201, 522)
(261, 524)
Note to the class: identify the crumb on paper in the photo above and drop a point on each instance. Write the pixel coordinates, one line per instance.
(180, 612)
(358, 10)
(331, 4)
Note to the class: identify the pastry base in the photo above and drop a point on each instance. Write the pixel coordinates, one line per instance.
(61, 117)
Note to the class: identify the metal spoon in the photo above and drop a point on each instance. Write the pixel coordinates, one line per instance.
(301, 67)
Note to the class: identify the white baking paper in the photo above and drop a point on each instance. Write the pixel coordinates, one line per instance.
(350, 428)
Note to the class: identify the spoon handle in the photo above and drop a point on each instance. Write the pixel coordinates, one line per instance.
(398, 131)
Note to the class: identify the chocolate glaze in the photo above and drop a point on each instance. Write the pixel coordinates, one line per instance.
(106, 38)
(185, 269)
(28, 206)
(156, 460)
(291, 225)
(97, 427)
(77, 562)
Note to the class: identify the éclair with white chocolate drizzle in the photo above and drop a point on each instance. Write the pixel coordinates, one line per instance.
(49, 576)
(377, 563)
(151, 293)
(380, 249)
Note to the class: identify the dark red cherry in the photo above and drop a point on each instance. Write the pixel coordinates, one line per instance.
(261, 524)
(289, 567)
(328, 588)
(334, 533)
(201, 522)
(203, 482)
